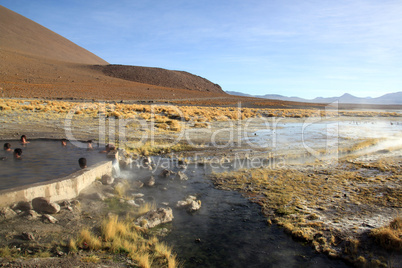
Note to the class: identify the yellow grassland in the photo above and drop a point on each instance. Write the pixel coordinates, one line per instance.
(306, 203)
(168, 117)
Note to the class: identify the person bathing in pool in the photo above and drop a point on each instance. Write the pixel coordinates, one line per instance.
(89, 145)
(82, 162)
(24, 139)
(17, 153)
(7, 147)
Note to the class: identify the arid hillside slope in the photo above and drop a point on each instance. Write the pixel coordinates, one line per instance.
(26, 76)
(160, 77)
(37, 62)
(18, 33)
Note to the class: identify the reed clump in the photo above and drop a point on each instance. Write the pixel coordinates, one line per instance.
(390, 236)
(123, 237)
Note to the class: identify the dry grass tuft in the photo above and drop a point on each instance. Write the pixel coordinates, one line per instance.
(72, 245)
(112, 227)
(88, 240)
(146, 208)
(124, 237)
(143, 260)
(91, 259)
(7, 253)
(389, 237)
(121, 188)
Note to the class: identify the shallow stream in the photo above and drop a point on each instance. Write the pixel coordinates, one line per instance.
(228, 230)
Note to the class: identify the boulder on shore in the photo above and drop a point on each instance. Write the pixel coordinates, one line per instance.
(23, 206)
(166, 173)
(181, 176)
(155, 217)
(7, 213)
(43, 205)
(107, 179)
(150, 181)
(191, 204)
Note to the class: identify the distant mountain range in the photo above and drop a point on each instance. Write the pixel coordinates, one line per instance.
(391, 98)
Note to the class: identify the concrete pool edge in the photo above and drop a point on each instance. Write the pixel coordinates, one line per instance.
(59, 189)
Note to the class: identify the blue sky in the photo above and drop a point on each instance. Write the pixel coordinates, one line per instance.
(294, 48)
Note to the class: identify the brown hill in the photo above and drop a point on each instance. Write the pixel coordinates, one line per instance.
(160, 77)
(18, 33)
(37, 62)
(25, 76)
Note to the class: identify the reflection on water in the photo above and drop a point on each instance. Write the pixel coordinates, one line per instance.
(316, 133)
(42, 160)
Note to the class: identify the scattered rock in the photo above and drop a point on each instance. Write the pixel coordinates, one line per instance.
(7, 213)
(132, 203)
(165, 203)
(150, 181)
(76, 203)
(162, 232)
(31, 215)
(28, 236)
(43, 205)
(181, 176)
(95, 196)
(65, 203)
(109, 195)
(191, 204)
(182, 203)
(140, 201)
(166, 173)
(23, 206)
(155, 217)
(147, 161)
(125, 163)
(49, 218)
(107, 179)
(137, 195)
(138, 184)
(194, 206)
(59, 252)
(181, 164)
(17, 211)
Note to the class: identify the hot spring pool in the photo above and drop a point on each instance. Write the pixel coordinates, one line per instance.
(42, 160)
